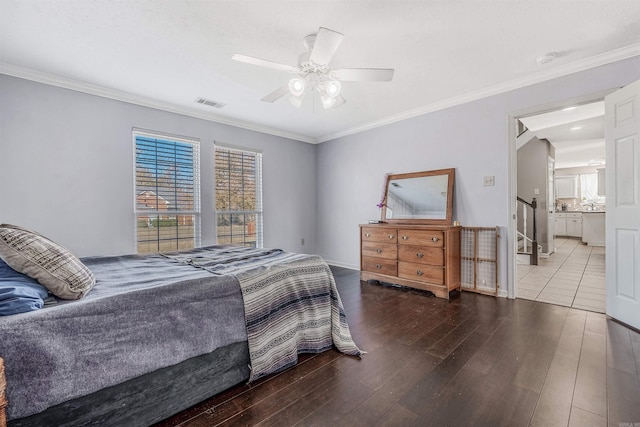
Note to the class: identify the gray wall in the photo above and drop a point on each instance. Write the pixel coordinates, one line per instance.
(473, 138)
(66, 169)
(532, 174)
(66, 165)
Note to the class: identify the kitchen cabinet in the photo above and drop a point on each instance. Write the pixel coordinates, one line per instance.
(561, 224)
(567, 187)
(574, 224)
(593, 228)
(568, 224)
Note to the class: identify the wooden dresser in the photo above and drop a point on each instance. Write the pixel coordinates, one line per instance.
(419, 256)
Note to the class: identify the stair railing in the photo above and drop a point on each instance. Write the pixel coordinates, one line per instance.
(534, 239)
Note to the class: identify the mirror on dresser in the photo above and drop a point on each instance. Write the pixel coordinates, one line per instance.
(419, 197)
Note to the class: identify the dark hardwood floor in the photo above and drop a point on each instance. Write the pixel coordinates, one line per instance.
(476, 360)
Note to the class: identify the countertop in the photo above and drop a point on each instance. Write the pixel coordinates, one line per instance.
(583, 211)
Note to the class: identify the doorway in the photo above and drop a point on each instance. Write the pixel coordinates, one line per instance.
(568, 141)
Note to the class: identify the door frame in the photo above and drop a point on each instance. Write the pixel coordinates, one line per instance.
(512, 276)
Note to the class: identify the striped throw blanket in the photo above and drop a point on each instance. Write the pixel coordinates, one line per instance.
(291, 303)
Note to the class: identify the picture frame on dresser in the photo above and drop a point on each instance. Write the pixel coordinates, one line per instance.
(415, 244)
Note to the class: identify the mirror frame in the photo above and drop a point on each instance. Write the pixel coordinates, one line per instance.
(430, 221)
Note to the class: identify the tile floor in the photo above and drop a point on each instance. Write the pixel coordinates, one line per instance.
(573, 276)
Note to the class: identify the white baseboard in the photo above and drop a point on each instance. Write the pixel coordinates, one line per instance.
(340, 264)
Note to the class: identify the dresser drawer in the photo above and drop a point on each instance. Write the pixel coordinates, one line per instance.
(421, 254)
(380, 250)
(375, 234)
(421, 272)
(382, 266)
(421, 237)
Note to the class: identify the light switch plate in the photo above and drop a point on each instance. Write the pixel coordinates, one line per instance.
(489, 180)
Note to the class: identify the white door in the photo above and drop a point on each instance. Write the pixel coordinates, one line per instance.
(622, 139)
(551, 206)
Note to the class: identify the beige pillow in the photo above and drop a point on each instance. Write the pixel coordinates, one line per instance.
(57, 269)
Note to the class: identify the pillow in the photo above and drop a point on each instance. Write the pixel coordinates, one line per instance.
(57, 269)
(19, 293)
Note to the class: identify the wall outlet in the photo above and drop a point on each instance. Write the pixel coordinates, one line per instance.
(489, 180)
(536, 191)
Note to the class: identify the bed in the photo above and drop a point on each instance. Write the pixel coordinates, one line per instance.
(160, 333)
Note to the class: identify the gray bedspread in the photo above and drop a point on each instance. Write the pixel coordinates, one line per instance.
(145, 313)
(150, 312)
(291, 303)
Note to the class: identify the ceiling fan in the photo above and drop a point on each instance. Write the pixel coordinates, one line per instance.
(313, 72)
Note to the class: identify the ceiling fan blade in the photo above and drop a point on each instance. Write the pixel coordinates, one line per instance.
(264, 63)
(365, 74)
(325, 46)
(276, 94)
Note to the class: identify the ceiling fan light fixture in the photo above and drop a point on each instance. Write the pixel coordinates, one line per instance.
(296, 101)
(327, 100)
(333, 88)
(313, 73)
(297, 86)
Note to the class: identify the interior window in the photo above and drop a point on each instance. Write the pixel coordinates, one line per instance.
(589, 188)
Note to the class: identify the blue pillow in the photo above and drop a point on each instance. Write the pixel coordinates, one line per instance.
(19, 293)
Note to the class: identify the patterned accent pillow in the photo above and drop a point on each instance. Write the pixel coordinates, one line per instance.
(57, 269)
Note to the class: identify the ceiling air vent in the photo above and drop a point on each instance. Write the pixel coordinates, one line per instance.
(210, 103)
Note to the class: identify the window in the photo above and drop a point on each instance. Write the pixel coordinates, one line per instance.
(167, 191)
(589, 188)
(238, 176)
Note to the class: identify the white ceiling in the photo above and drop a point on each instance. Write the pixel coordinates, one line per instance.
(577, 134)
(167, 53)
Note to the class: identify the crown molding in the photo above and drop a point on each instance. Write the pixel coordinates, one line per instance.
(66, 83)
(549, 74)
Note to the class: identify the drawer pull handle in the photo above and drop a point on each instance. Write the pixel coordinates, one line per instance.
(435, 238)
(419, 254)
(367, 235)
(378, 266)
(379, 250)
(419, 273)
(405, 237)
(392, 236)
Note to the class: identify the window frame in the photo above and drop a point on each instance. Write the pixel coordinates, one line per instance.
(259, 211)
(196, 211)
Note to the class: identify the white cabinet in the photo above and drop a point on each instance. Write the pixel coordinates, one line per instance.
(574, 224)
(567, 187)
(593, 228)
(569, 224)
(561, 224)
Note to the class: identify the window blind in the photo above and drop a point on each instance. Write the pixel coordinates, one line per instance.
(238, 176)
(167, 193)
